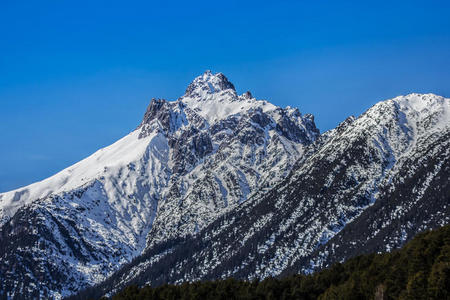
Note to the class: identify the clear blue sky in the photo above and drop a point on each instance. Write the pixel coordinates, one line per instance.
(77, 75)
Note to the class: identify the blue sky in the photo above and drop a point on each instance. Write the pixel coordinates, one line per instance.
(76, 76)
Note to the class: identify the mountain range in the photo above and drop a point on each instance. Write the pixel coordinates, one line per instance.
(216, 185)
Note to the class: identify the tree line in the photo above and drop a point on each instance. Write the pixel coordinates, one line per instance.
(420, 270)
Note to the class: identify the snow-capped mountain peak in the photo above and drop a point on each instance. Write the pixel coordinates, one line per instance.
(208, 84)
(213, 97)
(420, 102)
(187, 163)
(430, 109)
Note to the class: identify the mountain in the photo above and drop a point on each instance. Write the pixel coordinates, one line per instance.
(189, 162)
(368, 185)
(216, 184)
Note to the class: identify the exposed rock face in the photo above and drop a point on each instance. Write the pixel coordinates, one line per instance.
(226, 148)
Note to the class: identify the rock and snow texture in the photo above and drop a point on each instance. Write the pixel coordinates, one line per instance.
(189, 162)
(217, 184)
(368, 185)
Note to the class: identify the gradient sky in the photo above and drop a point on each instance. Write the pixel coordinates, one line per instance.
(76, 76)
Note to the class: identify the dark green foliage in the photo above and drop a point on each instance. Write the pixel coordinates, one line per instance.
(420, 270)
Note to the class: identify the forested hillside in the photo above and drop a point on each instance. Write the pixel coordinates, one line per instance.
(420, 270)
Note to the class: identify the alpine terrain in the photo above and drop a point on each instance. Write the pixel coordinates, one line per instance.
(216, 185)
(187, 163)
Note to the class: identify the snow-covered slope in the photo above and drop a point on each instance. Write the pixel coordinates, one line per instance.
(187, 163)
(104, 163)
(368, 185)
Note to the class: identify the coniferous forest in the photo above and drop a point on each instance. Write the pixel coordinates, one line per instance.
(420, 270)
